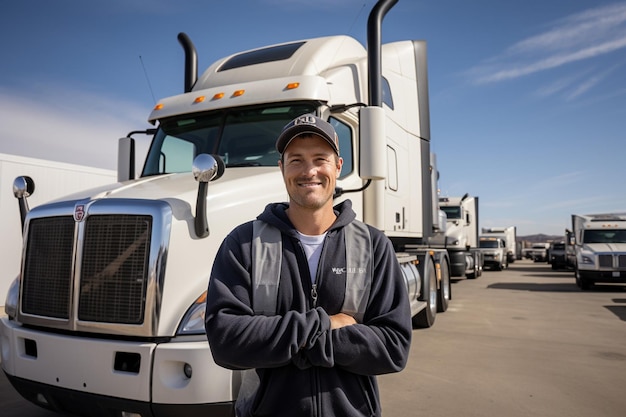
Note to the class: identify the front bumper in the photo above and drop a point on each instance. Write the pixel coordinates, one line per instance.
(63, 372)
(615, 277)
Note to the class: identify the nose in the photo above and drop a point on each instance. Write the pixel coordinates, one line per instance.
(309, 168)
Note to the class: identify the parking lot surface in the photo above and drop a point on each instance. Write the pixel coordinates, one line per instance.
(519, 342)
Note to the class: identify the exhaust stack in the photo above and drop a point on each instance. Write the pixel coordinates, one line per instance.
(191, 61)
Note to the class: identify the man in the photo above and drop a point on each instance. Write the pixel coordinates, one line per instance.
(313, 354)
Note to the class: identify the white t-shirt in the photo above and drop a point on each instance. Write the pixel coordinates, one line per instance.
(313, 248)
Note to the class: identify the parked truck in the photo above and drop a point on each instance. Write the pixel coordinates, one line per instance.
(600, 245)
(107, 311)
(509, 236)
(494, 252)
(540, 252)
(461, 236)
(562, 253)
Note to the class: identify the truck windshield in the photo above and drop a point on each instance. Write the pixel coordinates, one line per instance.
(604, 236)
(452, 212)
(242, 137)
(490, 244)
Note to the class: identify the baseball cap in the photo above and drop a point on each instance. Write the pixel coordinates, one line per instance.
(307, 123)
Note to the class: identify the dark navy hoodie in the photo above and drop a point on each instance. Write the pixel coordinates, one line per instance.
(304, 368)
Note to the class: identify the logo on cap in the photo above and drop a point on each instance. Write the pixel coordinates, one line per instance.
(310, 124)
(306, 119)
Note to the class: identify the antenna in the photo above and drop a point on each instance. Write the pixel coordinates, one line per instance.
(356, 18)
(147, 79)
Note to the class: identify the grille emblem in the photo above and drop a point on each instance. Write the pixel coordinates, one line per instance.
(79, 212)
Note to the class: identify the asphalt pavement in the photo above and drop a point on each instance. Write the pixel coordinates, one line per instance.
(520, 342)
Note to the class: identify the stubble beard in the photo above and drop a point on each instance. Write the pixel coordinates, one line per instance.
(309, 201)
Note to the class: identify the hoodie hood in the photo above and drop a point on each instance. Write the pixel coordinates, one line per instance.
(275, 215)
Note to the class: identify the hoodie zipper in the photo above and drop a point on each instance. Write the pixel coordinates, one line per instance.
(317, 273)
(314, 294)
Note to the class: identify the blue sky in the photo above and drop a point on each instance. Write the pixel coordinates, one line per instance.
(528, 98)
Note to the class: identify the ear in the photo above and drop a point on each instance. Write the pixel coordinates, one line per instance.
(339, 165)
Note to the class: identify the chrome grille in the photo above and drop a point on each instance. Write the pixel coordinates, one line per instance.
(112, 280)
(605, 261)
(48, 267)
(114, 269)
(621, 261)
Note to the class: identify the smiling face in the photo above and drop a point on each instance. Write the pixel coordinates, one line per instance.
(310, 170)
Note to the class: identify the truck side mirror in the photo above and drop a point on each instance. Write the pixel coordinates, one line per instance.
(372, 143)
(205, 168)
(23, 187)
(125, 159)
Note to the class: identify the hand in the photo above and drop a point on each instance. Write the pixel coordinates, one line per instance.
(340, 320)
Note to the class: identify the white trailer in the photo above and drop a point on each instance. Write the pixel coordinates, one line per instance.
(600, 245)
(123, 329)
(54, 180)
(509, 236)
(461, 236)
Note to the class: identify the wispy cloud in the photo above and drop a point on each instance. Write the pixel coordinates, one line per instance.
(590, 82)
(578, 37)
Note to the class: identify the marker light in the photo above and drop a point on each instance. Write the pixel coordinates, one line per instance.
(158, 106)
(238, 93)
(292, 86)
(199, 99)
(218, 96)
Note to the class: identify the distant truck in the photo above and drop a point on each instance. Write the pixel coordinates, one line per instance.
(558, 258)
(570, 249)
(494, 252)
(509, 235)
(539, 252)
(600, 244)
(461, 236)
(562, 253)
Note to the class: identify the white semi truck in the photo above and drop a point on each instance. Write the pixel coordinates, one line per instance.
(600, 244)
(509, 236)
(106, 315)
(461, 236)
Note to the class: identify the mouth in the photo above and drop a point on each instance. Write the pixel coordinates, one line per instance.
(309, 184)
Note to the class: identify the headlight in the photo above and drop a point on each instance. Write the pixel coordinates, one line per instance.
(193, 321)
(10, 305)
(587, 260)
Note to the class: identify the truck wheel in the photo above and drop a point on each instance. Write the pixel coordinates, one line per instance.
(444, 294)
(583, 283)
(426, 317)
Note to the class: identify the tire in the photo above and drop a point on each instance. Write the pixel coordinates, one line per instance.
(444, 293)
(426, 318)
(583, 283)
